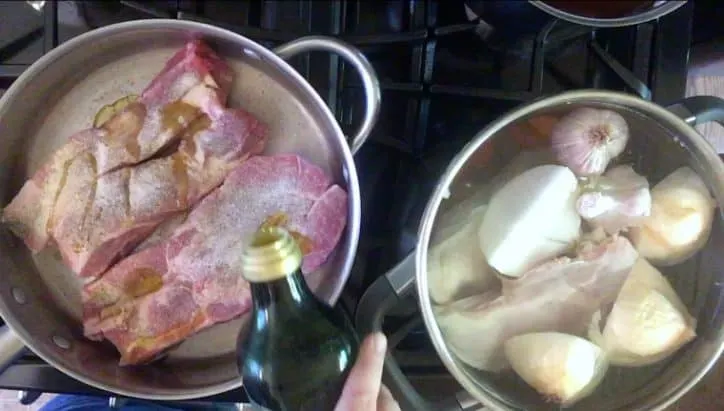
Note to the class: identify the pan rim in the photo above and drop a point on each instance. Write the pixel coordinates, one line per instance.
(349, 173)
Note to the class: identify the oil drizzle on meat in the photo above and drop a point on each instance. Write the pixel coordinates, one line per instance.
(281, 220)
(180, 172)
(144, 281)
(177, 116)
(63, 178)
(124, 127)
(200, 124)
(79, 247)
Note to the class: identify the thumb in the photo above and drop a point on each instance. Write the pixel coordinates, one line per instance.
(363, 384)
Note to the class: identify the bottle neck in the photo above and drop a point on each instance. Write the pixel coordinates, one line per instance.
(289, 290)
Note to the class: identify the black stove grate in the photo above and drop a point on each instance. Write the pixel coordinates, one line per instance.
(444, 76)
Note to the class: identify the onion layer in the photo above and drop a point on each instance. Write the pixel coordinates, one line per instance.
(682, 212)
(648, 321)
(562, 367)
(456, 267)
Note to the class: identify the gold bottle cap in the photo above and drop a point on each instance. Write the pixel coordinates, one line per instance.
(272, 254)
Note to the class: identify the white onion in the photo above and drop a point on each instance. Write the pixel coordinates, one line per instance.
(587, 139)
(616, 201)
(531, 219)
(648, 321)
(682, 213)
(562, 367)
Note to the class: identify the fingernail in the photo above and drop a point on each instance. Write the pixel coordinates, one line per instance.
(379, 342)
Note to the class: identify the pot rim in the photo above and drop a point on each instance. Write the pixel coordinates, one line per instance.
(262, 53)
(654, 12)
(701, 149)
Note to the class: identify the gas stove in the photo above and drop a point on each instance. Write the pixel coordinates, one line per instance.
(446, 69)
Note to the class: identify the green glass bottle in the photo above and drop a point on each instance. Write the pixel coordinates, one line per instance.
(298, 350)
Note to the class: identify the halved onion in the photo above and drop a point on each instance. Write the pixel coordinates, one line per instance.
(456, 267)
(682, 212)
(562, 367)
(648, 321)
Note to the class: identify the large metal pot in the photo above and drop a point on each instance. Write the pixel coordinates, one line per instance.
(59, 94)
(665, 139)
(654, 11)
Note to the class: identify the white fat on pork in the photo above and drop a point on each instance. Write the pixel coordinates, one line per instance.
(560, 295)
(618, 200)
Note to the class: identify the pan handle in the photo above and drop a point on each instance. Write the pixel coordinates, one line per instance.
(353, 56)
(699, 110)
(11, 347)
(375, 303)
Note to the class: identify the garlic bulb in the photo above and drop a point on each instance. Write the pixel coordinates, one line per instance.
(618, 200)
(682, 212)
(531, 219)
(456, 266)
(648, 321)
(587, 139)
(562, 367)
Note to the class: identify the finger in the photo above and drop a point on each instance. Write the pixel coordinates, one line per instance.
(385, 400)
(363, 384)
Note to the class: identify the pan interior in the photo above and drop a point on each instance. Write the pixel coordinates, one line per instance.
(654, 151)
(63, 98)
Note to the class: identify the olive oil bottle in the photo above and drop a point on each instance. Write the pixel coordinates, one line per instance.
(298, 350)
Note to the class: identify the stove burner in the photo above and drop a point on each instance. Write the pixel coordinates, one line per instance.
(103, 13)
(509, 19)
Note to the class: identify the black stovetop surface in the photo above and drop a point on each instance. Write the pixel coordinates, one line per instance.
(444, 75)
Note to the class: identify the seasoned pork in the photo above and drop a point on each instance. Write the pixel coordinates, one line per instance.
(97, 219)
(193, 80)
(157, 297)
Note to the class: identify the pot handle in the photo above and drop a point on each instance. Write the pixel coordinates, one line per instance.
(699, 109)
(353, 56)
(375, 303)
(11, 347)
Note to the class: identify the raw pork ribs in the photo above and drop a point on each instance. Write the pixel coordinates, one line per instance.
(99, 195)
(156, 298)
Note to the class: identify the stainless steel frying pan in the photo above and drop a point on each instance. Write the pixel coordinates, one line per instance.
(60, 93)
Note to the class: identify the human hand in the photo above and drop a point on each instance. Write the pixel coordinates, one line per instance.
(363, 390)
